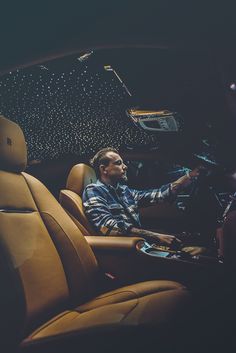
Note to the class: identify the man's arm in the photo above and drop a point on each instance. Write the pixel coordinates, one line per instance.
(185, 180)
(163, 239)
(166, 192)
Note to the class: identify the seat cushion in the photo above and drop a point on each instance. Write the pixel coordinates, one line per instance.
(133, 291)
(152, 304)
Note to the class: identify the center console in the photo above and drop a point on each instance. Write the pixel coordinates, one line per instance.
(164, 252)
(133, 259)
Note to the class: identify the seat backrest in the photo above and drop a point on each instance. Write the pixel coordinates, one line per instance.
(71, 199)
(46, 265)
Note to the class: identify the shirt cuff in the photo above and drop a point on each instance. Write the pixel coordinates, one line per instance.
(180, 184)
(189, 176)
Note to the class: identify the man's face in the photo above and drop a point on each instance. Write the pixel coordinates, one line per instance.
(116, 169)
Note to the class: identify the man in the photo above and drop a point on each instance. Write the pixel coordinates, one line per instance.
(112, 207)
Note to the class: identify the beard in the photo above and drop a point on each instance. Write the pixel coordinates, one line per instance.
(124, 178)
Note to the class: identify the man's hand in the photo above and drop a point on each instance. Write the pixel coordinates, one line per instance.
(196, 171)
(168, 240)
(186, 180)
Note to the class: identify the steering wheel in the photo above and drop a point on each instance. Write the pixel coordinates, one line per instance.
(202, 207)
(207, 168)
(201, 181)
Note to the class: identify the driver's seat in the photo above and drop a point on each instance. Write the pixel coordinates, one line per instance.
(71, 198)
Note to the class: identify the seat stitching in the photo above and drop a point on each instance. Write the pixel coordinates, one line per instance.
(142, 295)
(138, 303)
(50, 322)
(74, 199)
(96, 300)
(125, 316)
(136, 297)
(82, 267)
(110, 295)
(50, 215)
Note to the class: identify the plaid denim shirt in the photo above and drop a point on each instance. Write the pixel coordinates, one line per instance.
(114, 211)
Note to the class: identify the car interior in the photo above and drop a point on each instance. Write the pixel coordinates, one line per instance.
(165, 99)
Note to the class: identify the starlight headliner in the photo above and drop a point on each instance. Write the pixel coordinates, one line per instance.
(76, 110)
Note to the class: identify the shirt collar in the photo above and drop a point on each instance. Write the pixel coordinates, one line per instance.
(119, 187)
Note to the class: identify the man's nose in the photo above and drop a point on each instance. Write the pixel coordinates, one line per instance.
(125, 166)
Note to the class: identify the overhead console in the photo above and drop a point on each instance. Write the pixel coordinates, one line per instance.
(155, 121)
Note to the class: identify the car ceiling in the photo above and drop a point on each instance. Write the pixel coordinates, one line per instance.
(193, 41)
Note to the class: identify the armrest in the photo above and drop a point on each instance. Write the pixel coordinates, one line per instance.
(132, 259)
(113, 243)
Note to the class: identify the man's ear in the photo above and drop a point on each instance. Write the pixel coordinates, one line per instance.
(102, 168)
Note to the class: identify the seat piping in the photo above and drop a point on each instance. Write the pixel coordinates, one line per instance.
(12, 210)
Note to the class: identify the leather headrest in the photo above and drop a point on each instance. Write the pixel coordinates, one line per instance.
(80, 176)
(13, 152)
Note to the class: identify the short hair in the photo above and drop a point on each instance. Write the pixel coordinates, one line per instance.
(101, 158)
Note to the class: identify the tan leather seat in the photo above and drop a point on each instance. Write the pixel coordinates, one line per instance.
(50, 297)
(71, 198)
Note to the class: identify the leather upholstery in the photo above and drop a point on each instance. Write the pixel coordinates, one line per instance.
(80, 176)
(13, 154)
(132, 306)
(114, 243)
(71, 198)
(50, 298)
